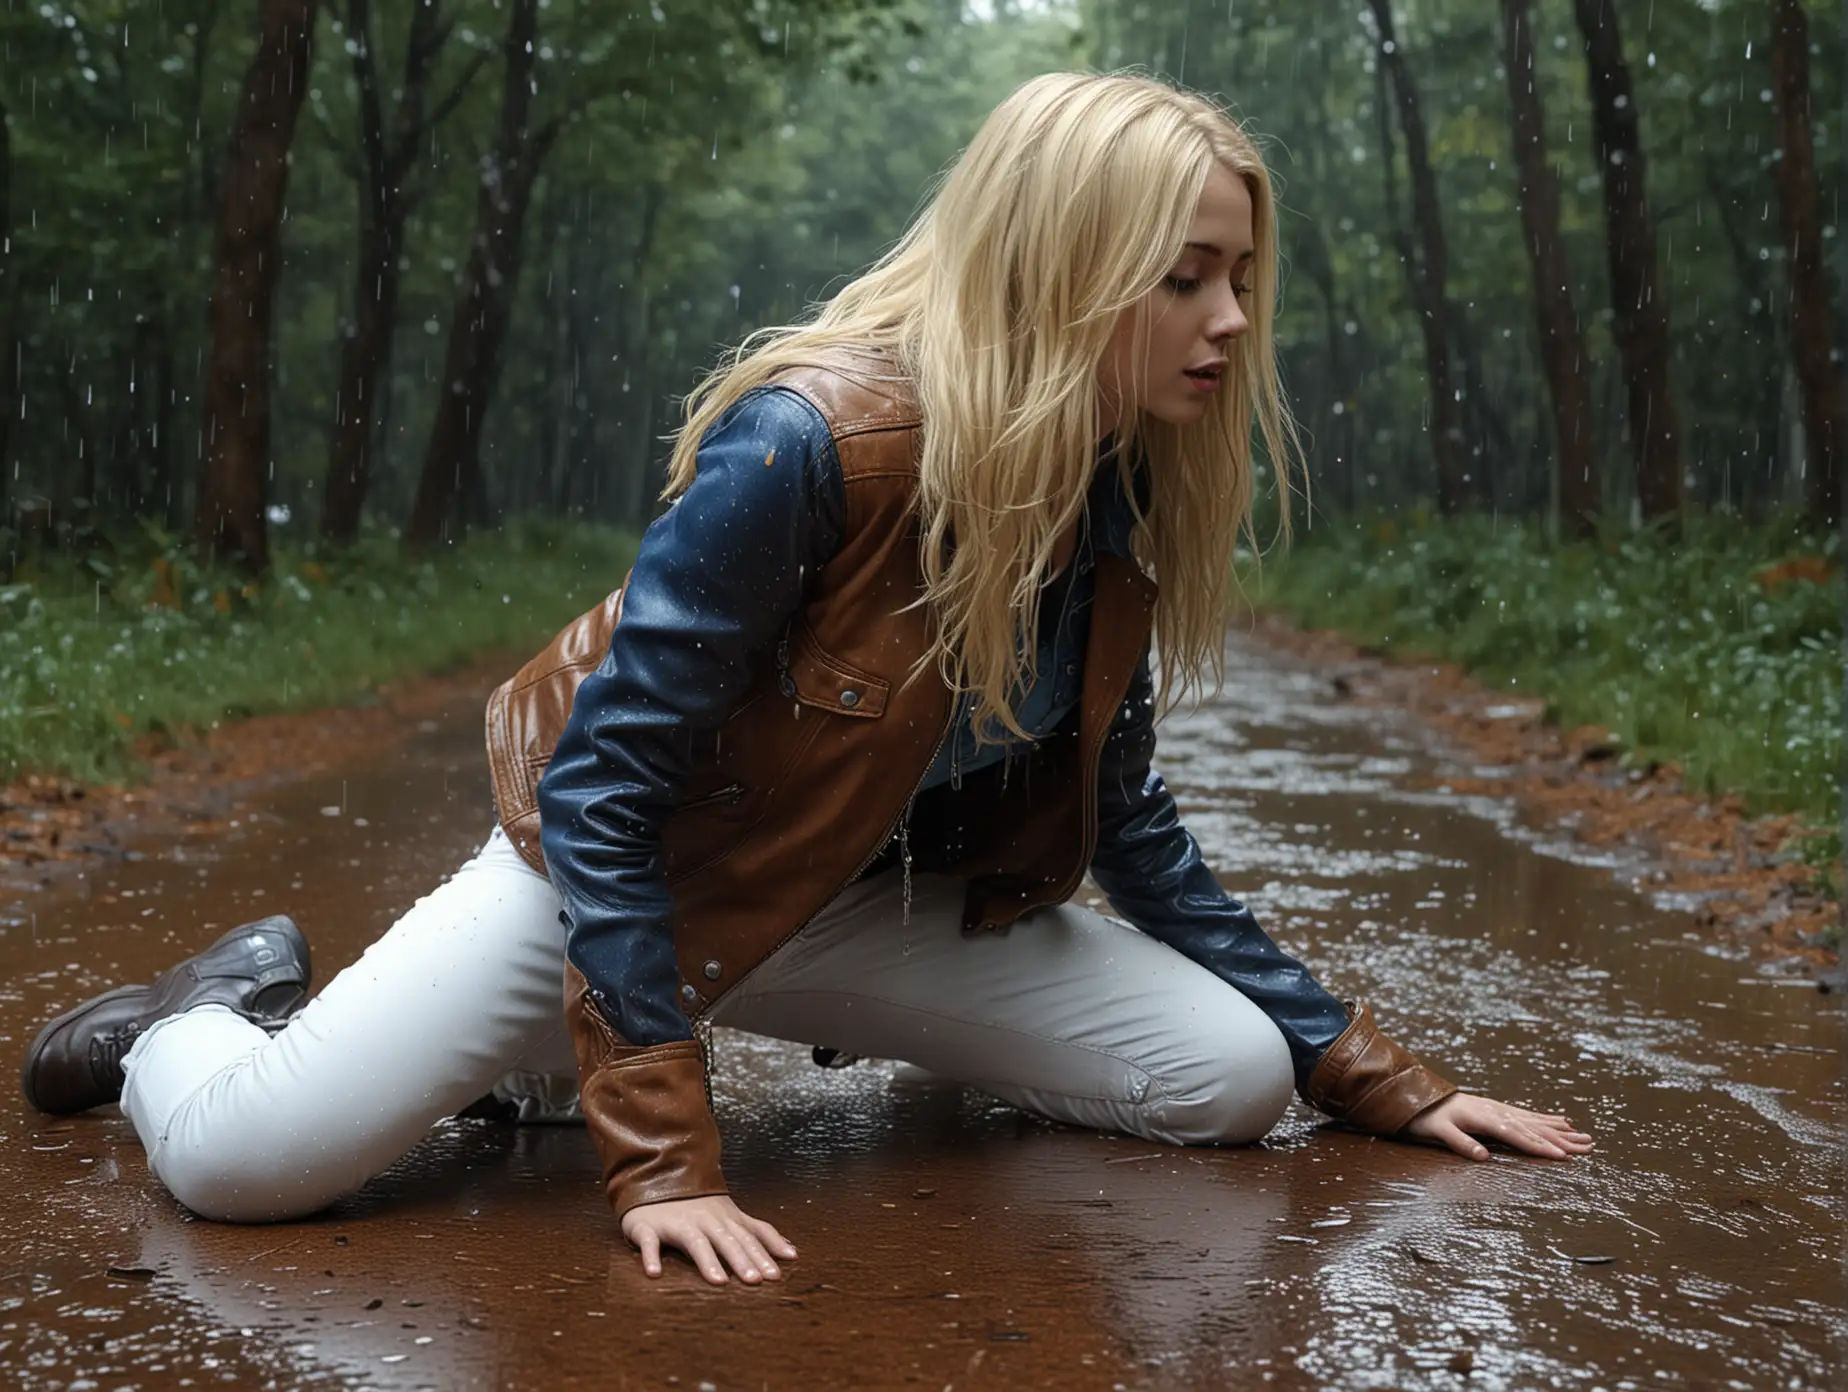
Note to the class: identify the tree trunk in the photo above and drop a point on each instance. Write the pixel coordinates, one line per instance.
(1429, 269)
(478, 328)
(235, 407)
(384, 206)
(1763, 412)
(168, 488)
(9, 353)
(1825, 408)
(1636, 293)
(1562, 347)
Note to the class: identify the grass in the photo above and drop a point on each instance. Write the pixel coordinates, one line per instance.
(1720, 651)
(97, 653)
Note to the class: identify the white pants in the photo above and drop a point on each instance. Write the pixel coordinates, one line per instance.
(1070, 1015)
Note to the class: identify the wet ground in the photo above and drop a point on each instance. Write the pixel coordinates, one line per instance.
(948, 1241)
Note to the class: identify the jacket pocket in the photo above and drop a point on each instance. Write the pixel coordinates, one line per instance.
(829, 683)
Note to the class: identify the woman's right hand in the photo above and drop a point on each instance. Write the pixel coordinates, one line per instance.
(707, 1230)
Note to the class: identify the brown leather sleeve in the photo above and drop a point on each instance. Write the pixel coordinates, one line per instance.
(646, 1108)
(1370, 1082)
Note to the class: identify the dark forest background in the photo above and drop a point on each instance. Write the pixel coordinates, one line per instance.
(311, 270)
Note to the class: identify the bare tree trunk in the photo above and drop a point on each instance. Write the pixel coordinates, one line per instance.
(451, 476)
(9, 352)
(1636, 291)
(1429, 269)
(385, 203)
(1825, 408)
(1562, 347)
(163, 450)
(235, 409)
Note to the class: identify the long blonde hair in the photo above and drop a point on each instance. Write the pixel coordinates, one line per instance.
(999, 302)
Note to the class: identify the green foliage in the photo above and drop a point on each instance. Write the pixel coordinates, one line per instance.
(95, 655)
(1304, 78)
(1699, 651)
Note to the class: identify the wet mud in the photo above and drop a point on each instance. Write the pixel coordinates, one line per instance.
(1741, 874)
(948, 1241)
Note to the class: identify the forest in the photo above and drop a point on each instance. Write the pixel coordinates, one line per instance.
(299, 295)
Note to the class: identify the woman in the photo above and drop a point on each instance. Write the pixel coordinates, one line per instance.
(878, 692)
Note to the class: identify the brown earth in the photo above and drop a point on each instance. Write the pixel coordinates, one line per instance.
(947, 1239)
(1742, 874)
(196, 785)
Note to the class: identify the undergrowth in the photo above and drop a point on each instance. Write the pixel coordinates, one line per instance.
(1720, 651)
(132, 640)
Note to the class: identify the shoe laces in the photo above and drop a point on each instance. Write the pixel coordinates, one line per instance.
(108, 1050)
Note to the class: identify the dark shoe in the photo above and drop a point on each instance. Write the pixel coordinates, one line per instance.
(260, 970)
(76, 1061)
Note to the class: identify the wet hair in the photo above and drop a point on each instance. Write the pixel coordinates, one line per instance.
(1071, 203)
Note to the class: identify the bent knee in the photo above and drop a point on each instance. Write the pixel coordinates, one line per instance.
(247, 1188)
(1237, 1091)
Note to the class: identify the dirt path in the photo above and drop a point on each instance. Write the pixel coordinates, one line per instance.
(948, 1240)
(1737, 874)
(194, 789)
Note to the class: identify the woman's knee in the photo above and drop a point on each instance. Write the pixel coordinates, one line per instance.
(258, 1172)
(1235, 1087)
(233, 1187)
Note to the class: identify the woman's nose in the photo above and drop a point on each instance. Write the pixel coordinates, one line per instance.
(1229, 321)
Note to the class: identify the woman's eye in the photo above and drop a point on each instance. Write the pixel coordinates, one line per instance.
(1183, 285)
(1242, 290)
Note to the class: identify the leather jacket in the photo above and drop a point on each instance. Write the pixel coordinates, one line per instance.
(684, 730)
(622, 761)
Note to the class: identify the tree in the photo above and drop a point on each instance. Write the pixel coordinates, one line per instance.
(1812, 334)
(8, 384)
(1428, 268)
(1562, 347)
(235, 416)
(1641, 312)
(451, 476)
(387, 160)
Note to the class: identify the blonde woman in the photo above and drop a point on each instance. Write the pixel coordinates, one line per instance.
(879, 691)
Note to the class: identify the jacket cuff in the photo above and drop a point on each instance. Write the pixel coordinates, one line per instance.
(646, 1109)
(1370, 1082)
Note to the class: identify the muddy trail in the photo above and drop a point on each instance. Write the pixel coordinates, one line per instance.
(948, 1241)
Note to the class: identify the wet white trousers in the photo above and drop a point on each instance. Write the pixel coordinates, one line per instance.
(1071, 1015)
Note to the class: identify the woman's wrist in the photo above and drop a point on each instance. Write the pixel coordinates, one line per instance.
(1368, 1081)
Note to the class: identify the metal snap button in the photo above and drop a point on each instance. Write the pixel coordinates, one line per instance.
(850, 699)
(687, 993)
(713, 970)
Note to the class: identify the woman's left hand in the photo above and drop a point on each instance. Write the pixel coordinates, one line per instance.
(1461, 1117)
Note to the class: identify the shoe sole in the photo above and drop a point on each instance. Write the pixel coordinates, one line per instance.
(25, 1071)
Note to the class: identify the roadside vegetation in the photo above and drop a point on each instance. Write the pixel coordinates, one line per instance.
(133, 641)
(1719, 651)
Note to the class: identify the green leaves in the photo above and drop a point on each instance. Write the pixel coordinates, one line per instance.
(1721, 650)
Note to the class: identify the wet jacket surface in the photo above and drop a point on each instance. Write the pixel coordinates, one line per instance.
(707, 613)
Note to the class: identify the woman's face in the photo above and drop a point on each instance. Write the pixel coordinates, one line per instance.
(1191, 318)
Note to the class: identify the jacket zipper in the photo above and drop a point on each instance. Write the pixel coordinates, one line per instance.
(902, 821)
(1088, 807)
